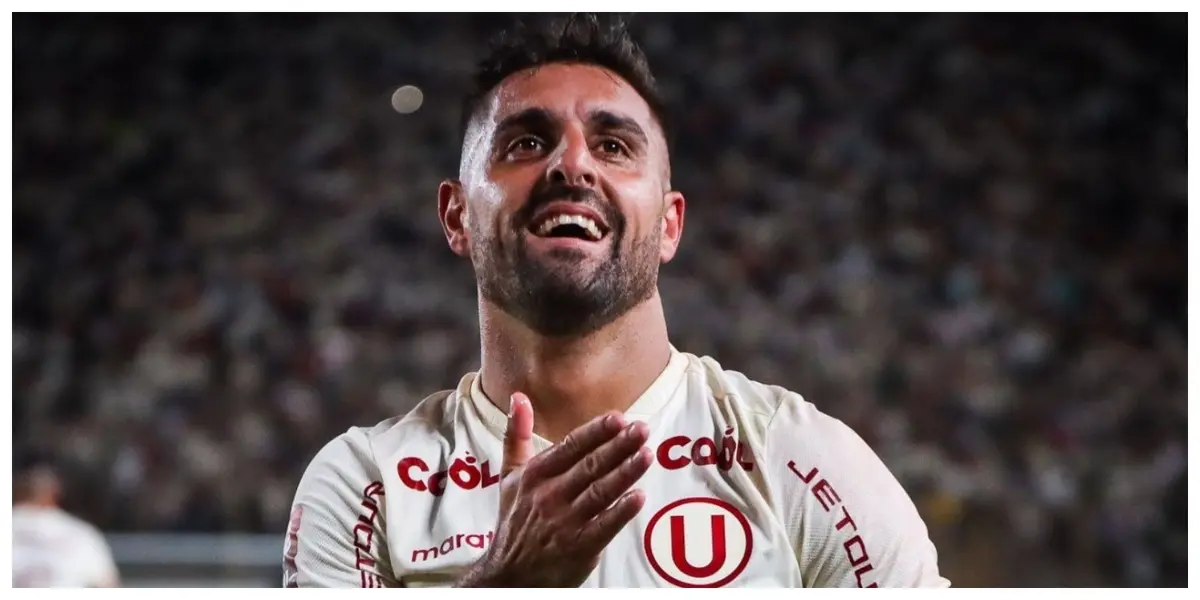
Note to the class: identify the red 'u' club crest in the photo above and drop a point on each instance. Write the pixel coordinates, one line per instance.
(704, 542)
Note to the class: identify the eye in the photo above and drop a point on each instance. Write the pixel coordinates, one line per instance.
(613, 147)
(525, 146)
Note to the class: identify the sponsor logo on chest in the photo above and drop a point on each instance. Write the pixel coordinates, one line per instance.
(689, 539)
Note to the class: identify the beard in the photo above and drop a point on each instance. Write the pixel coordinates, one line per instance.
(556, 295)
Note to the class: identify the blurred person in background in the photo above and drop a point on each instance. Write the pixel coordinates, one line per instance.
(51, 547)
(587, 450)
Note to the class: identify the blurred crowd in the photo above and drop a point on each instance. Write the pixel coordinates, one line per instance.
(963, 235)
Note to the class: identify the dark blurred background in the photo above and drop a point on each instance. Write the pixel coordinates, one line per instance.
(963, 235)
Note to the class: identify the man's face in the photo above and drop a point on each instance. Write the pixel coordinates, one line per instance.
(564, 204)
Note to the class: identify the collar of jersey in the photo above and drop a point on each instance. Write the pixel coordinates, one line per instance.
(642, 409)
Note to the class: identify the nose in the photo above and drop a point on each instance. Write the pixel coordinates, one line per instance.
(573, 164)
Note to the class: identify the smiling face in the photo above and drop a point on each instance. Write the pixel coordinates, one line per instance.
(563, 203)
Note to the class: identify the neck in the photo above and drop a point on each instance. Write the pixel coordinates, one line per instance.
(571, 380)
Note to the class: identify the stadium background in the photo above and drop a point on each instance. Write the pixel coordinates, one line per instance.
(963, 235)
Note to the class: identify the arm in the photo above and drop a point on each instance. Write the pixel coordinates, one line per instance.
(336, 534)
(851, 523)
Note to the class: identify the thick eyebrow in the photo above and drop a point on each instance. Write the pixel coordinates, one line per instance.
(534, 118)
(539, 119)
(604, 120)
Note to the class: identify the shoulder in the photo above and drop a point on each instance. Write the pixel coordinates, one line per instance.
(777, 407)
(87, 541)
(431, 422)
(723, 382)
(88, 531)
(780, 424)
(849, 519)
(75, 526)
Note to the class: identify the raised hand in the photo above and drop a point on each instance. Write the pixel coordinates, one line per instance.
(561, 508)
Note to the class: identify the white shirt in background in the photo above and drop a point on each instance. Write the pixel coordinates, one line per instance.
(52, 548)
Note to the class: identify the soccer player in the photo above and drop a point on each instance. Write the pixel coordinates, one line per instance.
(52, 548)
(587, 450)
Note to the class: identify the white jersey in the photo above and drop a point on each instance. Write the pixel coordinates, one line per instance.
(52, 548)
(751, 486)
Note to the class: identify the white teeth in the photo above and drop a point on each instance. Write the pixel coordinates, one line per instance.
(580, 220)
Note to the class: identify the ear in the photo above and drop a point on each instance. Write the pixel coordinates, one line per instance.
(672, 225)
(452, 212)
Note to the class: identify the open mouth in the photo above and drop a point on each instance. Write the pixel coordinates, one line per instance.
(575, 226)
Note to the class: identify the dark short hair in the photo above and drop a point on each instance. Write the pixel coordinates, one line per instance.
(580, 38)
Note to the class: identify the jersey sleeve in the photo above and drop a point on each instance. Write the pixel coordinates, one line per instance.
(336, 534)
(850, 521)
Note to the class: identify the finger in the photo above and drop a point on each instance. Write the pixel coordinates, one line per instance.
(597, 534)
(518, 437)
(602, 493)
(577, 444)
(602, 461)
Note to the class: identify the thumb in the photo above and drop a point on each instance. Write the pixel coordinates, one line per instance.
(518, 438)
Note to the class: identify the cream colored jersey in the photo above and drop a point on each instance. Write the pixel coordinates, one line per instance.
(751, 486)
(52, 548)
